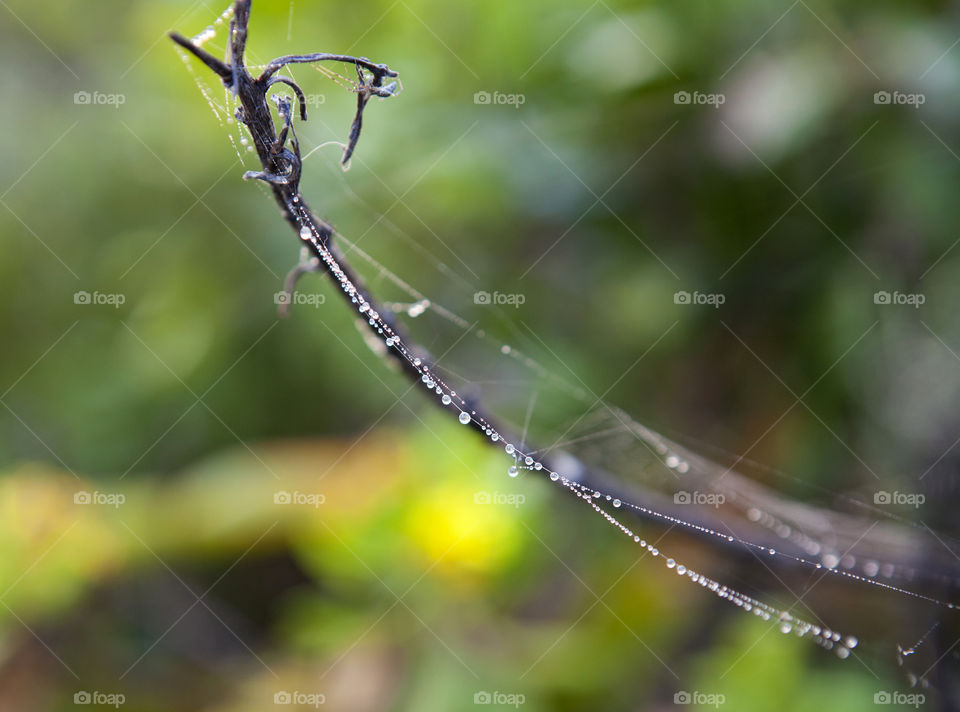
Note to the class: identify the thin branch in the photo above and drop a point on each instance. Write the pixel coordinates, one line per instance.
(221, 69)
(380, 70)
(281, 167)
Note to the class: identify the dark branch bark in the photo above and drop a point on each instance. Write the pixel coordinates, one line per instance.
(281, 170)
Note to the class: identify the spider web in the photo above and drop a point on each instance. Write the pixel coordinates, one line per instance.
(566, 431)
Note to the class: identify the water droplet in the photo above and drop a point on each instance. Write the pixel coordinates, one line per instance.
(415, 310)
(464, 417)
(513, 471)
(509, 449)
(446, 400)
(305, 233)
(616, 503)
(554, 476)
(671, 563)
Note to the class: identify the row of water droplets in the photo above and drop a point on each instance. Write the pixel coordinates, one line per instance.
(669, 456)
(823, 558)
(223, 113)
(788, 623)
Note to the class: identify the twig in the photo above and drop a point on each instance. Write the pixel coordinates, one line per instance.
(280, 160)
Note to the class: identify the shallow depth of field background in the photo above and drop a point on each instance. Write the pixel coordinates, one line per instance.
(400, 591)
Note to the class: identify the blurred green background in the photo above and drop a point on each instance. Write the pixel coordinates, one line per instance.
(599, 198)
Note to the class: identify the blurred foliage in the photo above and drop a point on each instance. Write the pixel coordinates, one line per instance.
(194, 403)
